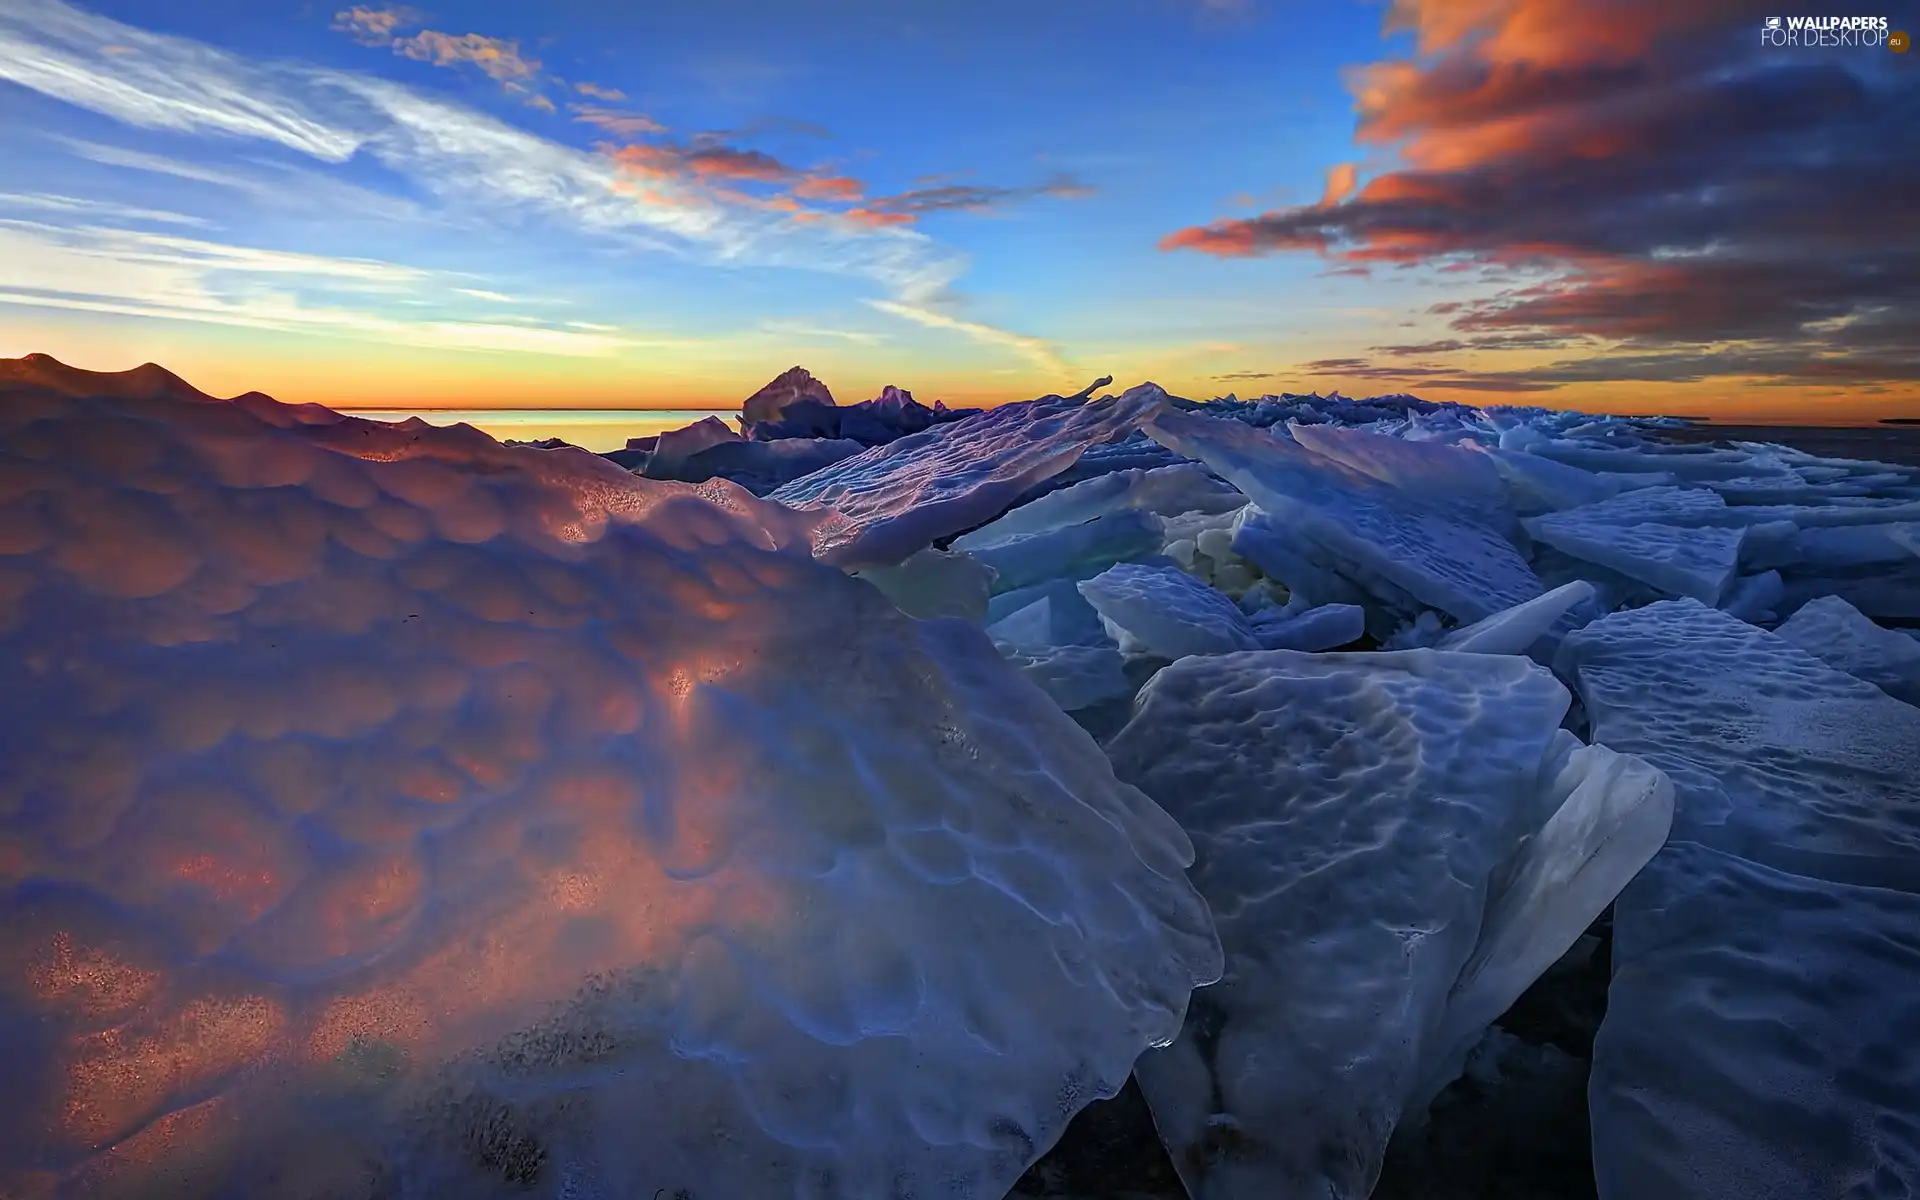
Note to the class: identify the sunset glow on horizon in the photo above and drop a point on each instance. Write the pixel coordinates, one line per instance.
(1626, 209)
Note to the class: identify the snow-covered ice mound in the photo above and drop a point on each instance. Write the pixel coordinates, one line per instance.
(384, 811)
(894, 499)
(1837, 634)
(1760, 1037)
(1394, 847)
(1776, 756)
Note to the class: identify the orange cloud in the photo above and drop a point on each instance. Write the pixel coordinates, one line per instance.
(1684, 187)
(877, 218)
(499, 58)
(842, 188)
(1340, 183)
(611, 95)
(374, 26)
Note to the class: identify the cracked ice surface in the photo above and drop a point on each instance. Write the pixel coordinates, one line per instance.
(1775, 755)
(1378, 533)
(387, 811)
(1759, 1039)
(1356, 819)
(1839, 635)
(896, 498)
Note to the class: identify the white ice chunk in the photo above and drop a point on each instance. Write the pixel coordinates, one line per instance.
(1168, 612)
(1680, 559)
(1837, 547)
(1759, 1039)
(892, 500)
(1350, 813)
(1610, 814)
(1537, 485)
(1377, 532)
(936, 583)
(1513, 631)
(1168, 491)
(1322, 628)
(387, 811)
(678, 445)
(1775, 755)
(1286, 554)
(1836, 633)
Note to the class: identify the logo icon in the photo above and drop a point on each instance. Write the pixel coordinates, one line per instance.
(1898, 41)
(1773, 23)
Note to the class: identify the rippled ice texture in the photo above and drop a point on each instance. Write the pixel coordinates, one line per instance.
(1760, 1037)
(1775, 755)
(386, 812)
(1357, 818)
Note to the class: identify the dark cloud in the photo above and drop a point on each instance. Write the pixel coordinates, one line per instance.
(1710, 205)
(964, 197)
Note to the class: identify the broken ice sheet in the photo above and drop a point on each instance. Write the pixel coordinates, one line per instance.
(894, 499)
(1839, 635)
(1759, 1037)
(1354, 818)
(384, 808)
(1774, 755)
(1165, 612)
(1382, 537)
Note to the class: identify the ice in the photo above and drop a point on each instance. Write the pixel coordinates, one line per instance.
(384, 811)
(1073, 551)
(1519, 627)
(1381, 536)
(790, 387)
(1165, 612)
(1430, 472)
(1759, 1039)
(1536, 485)
(1836, 633)
(1831, 547)
(676, 446)
(1610, 814)
(936, 583)
(1168, 491)
(1285, 553)
(1775, 755)
(1682, 552)
(1354, 816)
(1076, 674)
(892, 500)
(1322, 628)
(759, 467)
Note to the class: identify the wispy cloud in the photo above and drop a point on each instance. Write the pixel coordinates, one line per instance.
(104, 270)
(467, 163)
(814, 333)
(105, 210)
(1039, 351)
(958, 197)
(614, 121)
(610, 95)
(484, 294)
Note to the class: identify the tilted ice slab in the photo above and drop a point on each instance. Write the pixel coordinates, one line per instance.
(894, 499)
(1166, 612)
(1312, 628)
(1661, 536)
(1072, 551)
(1838, 634)
(1513, 631)
(1168, 491)
(1758, 1043)
(1431, 472)
(387, 811)
(1457, 565)
(934, 583)
(1776, 756)
(1367, 828)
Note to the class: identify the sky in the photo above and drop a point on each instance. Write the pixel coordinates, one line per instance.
(1608, 205)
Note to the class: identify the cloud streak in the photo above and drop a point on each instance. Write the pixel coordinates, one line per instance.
(473, 166)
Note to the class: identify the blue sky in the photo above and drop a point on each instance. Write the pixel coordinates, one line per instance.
(495, 204)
